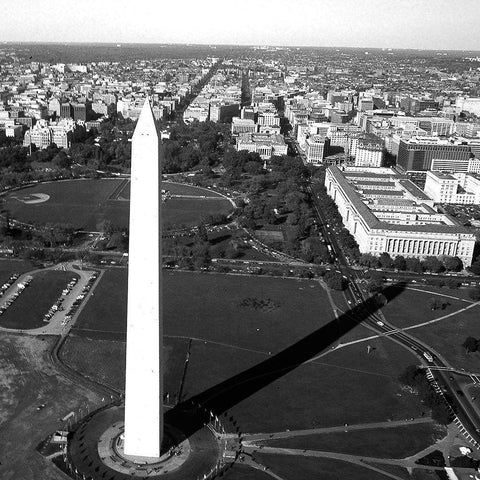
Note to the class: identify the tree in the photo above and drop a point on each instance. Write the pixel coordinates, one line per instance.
(470, 344)
(61, 160)
(436, 303)
(475, 267)
(452, 283)
(385, 260)
(399, 263)
(369, 260)
(334, 280)
(433, 264)
(453, 264)
(413, 265)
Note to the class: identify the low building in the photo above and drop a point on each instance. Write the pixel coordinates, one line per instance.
(266, 145)
(386, 212)
(243, 125)
(471, 165)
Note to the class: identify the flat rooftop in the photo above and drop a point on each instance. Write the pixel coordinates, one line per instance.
(420, 213)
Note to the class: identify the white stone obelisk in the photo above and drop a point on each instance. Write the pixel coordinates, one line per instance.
(144, 376)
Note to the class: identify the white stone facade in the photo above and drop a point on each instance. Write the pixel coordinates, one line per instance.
(394, 217)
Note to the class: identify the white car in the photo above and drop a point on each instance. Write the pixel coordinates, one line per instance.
(380, 323)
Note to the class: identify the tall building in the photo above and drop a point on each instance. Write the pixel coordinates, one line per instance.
(369, 151)
(66, 110)
(417, 153)
(144, 376)
(316, 149)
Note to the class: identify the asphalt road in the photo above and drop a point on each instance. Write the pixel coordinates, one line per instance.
(461, 403)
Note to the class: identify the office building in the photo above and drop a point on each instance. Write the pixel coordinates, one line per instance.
(266, 145)
(417, 153)
(316, 148)
(386, 212)
(457, 188)
(369, 151)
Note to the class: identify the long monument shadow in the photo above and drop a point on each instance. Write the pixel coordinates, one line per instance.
(223, 396)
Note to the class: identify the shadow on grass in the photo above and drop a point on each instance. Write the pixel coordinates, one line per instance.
(223, 396)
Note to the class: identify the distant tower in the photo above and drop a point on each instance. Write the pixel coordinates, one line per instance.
(144, 376)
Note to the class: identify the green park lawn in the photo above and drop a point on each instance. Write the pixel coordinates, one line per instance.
(238, 471)
(28, 310)
(79, 202)
(289, 467)
(448, 335)
(395, 442)
(174, 189)
(8, 267)
(209, 306)
(411, 307)
(229, 335)
(104, 360)
(87, 204)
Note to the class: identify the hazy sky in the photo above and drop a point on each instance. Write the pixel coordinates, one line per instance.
(429, 24)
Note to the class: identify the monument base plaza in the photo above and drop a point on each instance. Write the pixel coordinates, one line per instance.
(95, 449)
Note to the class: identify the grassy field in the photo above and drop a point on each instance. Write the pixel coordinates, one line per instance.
(244, 472)
(411, 307)
(331, 391)
(217, 312)
(87, 204)
(398, 442)
(28, 310)
(29, 379)
(209, 307)
(289, 468)
(174, 189)
(88, 356)
(9, 267)
(447, 337)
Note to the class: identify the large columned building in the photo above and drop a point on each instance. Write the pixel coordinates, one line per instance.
(386, 212)
(144, 378)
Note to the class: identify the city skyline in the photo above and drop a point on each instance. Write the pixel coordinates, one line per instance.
(421, 24)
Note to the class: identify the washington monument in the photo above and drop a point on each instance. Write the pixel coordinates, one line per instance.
(144, 376)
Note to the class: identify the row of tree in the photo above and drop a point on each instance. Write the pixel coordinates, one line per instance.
(430, 264)
(416, 379)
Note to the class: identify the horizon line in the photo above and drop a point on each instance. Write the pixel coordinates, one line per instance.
(183, 44)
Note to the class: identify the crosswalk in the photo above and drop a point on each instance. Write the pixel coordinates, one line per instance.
(456, 420)
(475, 378)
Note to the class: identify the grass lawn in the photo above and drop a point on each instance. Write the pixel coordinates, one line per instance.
(350, 388)
(447, 337)
(174, 189)
(209, 306)
(79, 202)
(87, 204)
(9, 267)
(28, 310)
(107, 309)
(104, 360)
(289, 468)
(393, 469)
(244, 472)
(190, 211)
(29, 379)
(410, 307)
(398, 442)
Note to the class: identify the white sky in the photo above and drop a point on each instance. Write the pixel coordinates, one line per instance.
(429, 24)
